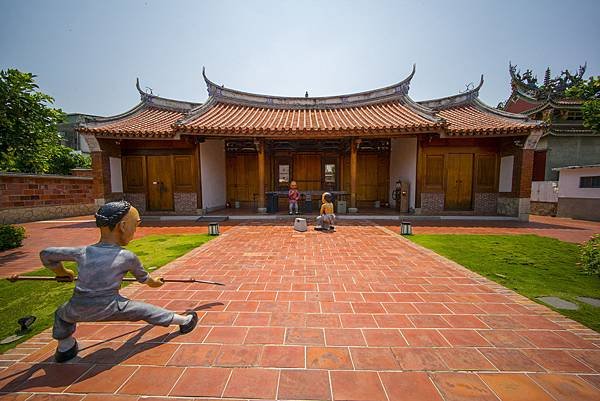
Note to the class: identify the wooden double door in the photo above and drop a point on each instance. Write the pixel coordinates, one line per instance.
(459, 181)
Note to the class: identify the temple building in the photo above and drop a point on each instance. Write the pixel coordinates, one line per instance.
(566, 142)
(452, 155)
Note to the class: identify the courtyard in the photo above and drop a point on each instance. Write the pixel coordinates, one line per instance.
(359, 314)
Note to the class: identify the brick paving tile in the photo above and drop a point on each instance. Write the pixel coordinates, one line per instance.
(567, 387)
(428, 321)
(304, 385)
(465, 359)
(594, 380)
(392, 320)
(508, 360)
(238, 355)
(589, 357)
(152, 380)
(345, 337)
(419, 359)
(265, 335)
(464, 338)
(51, 378)
(226, 335)
(328, 358)
(373, 359)
(462, 387)
(515, 387)
(424, 338)
(504, 339)
(252, 383)
(195, 355)
(305, 336)
(205, 382)
(102, 379)
(384, 338)
(357, 386)
(151, 354)
(283, 357)
(409, 386)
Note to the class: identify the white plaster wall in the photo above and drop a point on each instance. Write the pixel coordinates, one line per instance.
(506, 173)
(403, 166)
(568, 183)
(544, 191)
(212, 169)
(116, 176)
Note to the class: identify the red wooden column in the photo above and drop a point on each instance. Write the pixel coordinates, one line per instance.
(353, 167)
(260, 147)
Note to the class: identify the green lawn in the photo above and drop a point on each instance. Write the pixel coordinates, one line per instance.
(42, 298)
(531, 265)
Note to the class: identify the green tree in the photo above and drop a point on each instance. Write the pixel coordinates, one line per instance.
(28, 124)
(590, 92)
(63, 159)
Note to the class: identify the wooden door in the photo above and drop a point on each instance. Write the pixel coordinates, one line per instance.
(307, 171)
(459, 181)
(242, 177)
(160, 183)
(367, 177)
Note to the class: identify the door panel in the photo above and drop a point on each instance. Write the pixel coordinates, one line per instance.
(160, 183)
(459, 182)
(366, 177)
(242, 177)
(307, 171)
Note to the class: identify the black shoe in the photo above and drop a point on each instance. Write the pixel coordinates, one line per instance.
(186, 328)
(64, 356)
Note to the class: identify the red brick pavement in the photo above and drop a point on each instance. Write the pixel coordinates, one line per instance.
(359, 314)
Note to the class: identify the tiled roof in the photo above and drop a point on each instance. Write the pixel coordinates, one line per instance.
(235, 119)
(147, 122)
(387, 111)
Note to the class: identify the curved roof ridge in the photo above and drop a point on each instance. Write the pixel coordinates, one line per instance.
(390, 92)
(505, 114)
(164, 102)
(453, 100)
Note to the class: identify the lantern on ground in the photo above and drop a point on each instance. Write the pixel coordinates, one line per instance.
(213, 229)
(405, 228)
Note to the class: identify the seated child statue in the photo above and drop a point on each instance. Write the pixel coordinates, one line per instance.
(101, 268)
(326, 220)
(293, 196)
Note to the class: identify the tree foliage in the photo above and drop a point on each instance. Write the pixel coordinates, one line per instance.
(588, 90)
(28, 124)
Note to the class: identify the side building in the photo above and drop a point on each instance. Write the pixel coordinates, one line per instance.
(455, 155)
(565, 143)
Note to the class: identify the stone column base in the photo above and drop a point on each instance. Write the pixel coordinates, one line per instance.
(524, 209)
(262, 210)
(352, 210)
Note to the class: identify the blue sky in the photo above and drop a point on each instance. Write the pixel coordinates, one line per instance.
(87, 54)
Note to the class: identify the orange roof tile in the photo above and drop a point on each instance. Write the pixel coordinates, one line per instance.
(238, 119)
(472, 119)
(147, 121)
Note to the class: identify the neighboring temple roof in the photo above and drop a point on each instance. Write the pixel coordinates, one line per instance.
(389, 110)
(467, 115)
(153, 117)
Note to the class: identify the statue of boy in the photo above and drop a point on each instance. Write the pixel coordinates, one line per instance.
(293, 196)
(326, 218)
(101, 267)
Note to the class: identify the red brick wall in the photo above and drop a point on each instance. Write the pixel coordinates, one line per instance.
(24, 190)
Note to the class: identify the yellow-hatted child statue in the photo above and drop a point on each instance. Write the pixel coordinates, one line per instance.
(326, 218)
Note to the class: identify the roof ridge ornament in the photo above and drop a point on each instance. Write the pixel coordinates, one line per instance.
(393, 92)
(460, 99)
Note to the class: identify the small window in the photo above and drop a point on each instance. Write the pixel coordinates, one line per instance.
(330, 173)
(589, 182)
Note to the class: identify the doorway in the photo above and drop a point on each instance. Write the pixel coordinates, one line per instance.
(160, 183)
(459, 181)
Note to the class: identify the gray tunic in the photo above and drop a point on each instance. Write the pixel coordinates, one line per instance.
(96, 295)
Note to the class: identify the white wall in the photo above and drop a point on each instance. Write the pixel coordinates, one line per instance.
(403, 166)
(212, 169)
(116, 177)
(544, 191)
(568, 183)
(506, 173)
